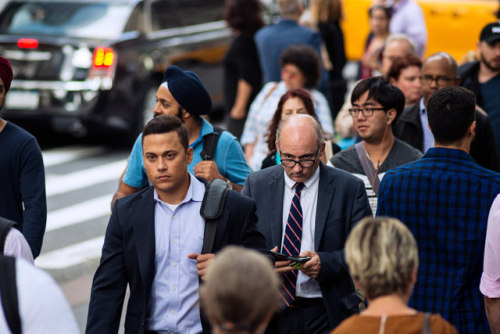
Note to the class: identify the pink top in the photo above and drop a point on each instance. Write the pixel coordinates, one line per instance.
(490, 280)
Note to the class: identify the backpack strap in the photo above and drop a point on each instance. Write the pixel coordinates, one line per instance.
(211, 210)
(5, 226)
(8, 291)
(210, 144)
(370, 172)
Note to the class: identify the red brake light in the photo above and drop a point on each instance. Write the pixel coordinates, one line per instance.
(103, 57)
(27, 43)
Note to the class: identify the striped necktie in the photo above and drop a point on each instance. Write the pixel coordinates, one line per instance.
(291, 244)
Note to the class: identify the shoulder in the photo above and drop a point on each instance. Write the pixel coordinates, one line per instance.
(339, 177)
(349, 325)
(467, 69)
(406, 151)
(410, 113)
(345, 159)
(266, 174)
(440, 325)
(17, 132)
(125, 203)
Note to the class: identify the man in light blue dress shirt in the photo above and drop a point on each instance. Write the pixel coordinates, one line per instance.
(154, 242)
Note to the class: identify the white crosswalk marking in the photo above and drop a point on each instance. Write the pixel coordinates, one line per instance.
(66, 154)
(71, 255)
(88, 177)
(78, 213)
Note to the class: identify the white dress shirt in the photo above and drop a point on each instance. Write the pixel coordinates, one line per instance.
(428, 136)
(306, 287)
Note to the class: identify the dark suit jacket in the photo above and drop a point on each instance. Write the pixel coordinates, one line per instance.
(342, 202)
(483, 149)
(128, 257)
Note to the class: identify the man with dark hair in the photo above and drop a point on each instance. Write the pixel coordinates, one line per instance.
(154, 240)
(440, 70)
(376, 104)
(22, 174)
(307, 209)
(182, 94)
(483, 76)
(444, 198)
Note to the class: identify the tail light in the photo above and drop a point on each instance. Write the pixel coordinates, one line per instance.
(103, 66)
(27, 43)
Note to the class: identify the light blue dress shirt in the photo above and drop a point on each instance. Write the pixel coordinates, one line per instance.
(174, 293)
(428, 136)
(228, 156)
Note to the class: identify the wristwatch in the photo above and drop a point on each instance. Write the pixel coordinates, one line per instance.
(229, 184)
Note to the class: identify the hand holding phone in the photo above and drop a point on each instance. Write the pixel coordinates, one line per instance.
(296, 261)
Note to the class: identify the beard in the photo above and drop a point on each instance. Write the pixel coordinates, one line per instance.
(489, 64)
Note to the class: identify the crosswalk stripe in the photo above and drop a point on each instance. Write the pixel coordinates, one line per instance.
(78, 213)
(88, 177)
(62, 155)
(72, 255)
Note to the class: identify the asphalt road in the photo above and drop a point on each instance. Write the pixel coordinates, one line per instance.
(81, 177)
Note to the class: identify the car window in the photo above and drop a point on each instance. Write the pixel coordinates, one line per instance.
(165, 14)
(201, 11)
(75, 19)
(136, 21)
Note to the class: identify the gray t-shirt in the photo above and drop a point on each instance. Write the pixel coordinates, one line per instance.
(400, 154)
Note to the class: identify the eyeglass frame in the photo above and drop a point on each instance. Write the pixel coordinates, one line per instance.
(312, 161)
(429, 79)
(354, 112)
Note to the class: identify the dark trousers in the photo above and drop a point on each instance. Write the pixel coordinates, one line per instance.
(305, 316)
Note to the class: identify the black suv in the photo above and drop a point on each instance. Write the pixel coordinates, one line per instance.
(83, 66)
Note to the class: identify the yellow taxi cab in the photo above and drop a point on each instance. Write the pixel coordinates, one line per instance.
(452, 25)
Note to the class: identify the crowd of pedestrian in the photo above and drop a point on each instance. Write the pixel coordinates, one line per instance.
(265, 225)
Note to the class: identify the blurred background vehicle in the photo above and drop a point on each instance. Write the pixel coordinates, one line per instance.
(88, 66)
(452, 25)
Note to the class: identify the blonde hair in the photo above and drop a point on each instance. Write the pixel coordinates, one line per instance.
(241, 290)
(382, 255)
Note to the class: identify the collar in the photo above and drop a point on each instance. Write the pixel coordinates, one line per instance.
(195, 192)
(447, 153)
(289, 22)
(421, 105)
(206, 128)
(308, 183)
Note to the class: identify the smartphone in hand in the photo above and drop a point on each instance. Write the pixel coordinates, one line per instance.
(297, 262)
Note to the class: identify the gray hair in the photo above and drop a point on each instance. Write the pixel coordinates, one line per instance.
(317, 127)
(401, 37)
(289, 7)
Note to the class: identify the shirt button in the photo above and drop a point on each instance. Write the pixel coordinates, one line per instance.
(175, 216)
(175, 240)
(174, 288)
(173, 312)
(175, 264)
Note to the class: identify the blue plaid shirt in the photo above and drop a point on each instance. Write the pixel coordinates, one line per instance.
(444, 198)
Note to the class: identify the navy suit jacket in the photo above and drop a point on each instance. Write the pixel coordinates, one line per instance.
(272, 40)
(342, 202)
(128, 257)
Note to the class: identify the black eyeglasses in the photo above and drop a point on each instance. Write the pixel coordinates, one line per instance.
(441, 80)
(366, 111)
(305, 163)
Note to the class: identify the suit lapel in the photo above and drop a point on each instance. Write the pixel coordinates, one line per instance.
(275, 200)
(143, 222)
(325, 196)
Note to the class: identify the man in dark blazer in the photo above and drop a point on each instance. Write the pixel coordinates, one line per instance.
(438, 71)
(331, 202)
(154, 241)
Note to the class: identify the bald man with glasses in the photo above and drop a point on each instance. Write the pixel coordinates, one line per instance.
(307, 209)
(438, 71)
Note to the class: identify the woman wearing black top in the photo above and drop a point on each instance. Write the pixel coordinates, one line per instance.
(242, 80)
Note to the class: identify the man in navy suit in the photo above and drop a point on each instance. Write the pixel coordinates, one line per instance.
(331, 202)
(154, 240)
(272, 40)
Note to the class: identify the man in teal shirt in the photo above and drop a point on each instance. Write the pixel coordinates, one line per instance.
(182, 94)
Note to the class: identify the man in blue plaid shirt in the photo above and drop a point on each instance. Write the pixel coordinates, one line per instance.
(444, 198)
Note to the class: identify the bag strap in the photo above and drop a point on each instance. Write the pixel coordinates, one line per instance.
(426, 326)
(211, 210)
(8, 291)
(367, 167)
(5, 226)
(210, 144)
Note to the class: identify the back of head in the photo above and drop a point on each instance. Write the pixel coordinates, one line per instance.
(409, 46)
(244, 15)
(382, 91)
(382, 256)
(307, 61)
(188, 90)
(290, 8)
(326, 10)
(451, 111)
(241, 291)
(5, 73)
(164, 124)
